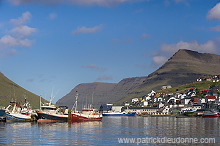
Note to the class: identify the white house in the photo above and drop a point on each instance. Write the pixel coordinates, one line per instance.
(152, 93)
(135, 100)
(117, 108)
(186, 100)
(145, 103)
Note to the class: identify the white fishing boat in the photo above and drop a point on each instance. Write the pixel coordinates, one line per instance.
(17, 113)
(119, 114)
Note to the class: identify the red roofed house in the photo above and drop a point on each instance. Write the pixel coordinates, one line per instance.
(195, 100)
(210, 98)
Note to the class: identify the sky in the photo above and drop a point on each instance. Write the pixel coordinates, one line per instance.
(50, 46)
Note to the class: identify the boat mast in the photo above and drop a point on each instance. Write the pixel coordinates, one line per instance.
(40, 102)
(76, 100)
(92, 99)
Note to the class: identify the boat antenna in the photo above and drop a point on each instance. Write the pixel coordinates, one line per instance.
(51, 98)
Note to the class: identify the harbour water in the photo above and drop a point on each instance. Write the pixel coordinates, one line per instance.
(111, 131)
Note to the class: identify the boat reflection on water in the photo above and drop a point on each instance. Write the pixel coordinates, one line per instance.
(107, 131)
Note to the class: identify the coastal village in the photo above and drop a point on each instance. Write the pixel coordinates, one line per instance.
(191, 102)
(185, 102)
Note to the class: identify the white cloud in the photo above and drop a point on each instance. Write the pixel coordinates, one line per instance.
(159, 60)
(21, 20)
(23, 31)
(74, 2)
(17, 36)
(98, 2)
(81, 30)
(44, 2)
(208, 47)
(9, 41)
(167, 50)
(214, 13)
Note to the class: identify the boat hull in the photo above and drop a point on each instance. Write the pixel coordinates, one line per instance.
(119, 114)
(210, 115)
(77, 117)
(2, 115)
(17, 117)
(48, 118)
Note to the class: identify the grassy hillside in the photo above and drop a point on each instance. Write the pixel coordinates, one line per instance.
(11, 91)
(204, 85)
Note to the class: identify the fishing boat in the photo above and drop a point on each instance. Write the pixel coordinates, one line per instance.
(50, 113)
(210, 114)
(119, 114)
(87, 114)
(19, 113)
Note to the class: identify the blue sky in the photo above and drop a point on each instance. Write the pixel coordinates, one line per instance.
(49, 47)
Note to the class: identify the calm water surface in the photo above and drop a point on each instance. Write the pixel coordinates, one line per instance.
(108, 131)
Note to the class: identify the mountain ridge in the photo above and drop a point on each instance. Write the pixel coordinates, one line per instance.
(184, 67)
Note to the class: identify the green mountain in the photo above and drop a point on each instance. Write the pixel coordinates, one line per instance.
(184, 67)
(10, 91)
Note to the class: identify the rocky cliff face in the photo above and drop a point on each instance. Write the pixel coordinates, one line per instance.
(89, 93)
(185, 66)
(100, 93)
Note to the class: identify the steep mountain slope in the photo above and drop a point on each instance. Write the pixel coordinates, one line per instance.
(89, 93)
(185, 66)
(11, 91)
(100, 93)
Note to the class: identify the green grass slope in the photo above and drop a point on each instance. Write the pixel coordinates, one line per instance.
(11, 91)
(204, 85)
